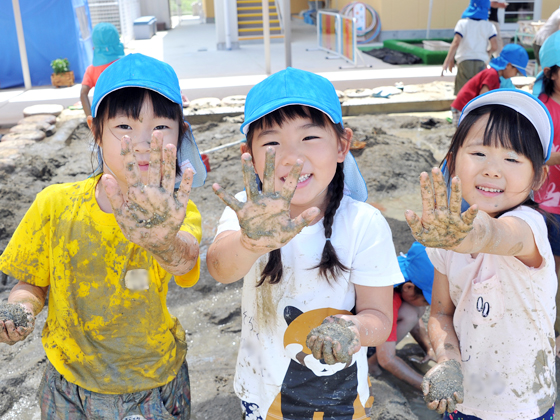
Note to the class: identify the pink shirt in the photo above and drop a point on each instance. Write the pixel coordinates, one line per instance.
(548, 196)
(504, 320)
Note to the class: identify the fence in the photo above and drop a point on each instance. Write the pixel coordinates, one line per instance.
(337, 34)
(120, 13)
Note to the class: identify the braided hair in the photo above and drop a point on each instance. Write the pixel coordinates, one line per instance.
(329, 266)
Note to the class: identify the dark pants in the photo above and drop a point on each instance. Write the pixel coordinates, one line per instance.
(457, 415)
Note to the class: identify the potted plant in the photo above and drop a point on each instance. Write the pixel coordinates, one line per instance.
(62, 75)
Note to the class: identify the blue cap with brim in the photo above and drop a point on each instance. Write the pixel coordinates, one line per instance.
(549, 55)
(513, 54)
(107, 46)
(137, 70)
(417, 268)
(478, 9)
(524, 103)
(298, 87)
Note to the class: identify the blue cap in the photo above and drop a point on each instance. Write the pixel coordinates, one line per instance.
(524, 103)
(513, 54)
(417, 268)
(107, 46)
(478, 9)
(549, 55)
(137, 70)
(298, 87)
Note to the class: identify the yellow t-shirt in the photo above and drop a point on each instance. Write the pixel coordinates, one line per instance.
(99, 334)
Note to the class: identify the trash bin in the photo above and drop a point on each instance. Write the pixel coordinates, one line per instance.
(145, 27)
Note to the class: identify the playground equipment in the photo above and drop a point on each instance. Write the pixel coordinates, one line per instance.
(366, 33)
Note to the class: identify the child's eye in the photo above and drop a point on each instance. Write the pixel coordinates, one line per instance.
(310, 138)
(271, 143)
(478, 154)
(123, 126)
(161, 127)
(512, 160)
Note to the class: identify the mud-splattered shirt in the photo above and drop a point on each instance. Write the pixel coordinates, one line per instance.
(504, 319)
(99, 334)
(276, 373)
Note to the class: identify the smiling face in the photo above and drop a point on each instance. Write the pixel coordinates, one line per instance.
(494, 178)
(319, 147)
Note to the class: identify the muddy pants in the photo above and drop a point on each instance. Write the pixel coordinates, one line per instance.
(61, 400)
(457, 415)
(466, 70)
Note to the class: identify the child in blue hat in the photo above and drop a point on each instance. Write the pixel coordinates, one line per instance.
(469, 47)
(107, 48)
(104, 250)
(492, 315)
(410, 300)
(318, 263)
(512, 60)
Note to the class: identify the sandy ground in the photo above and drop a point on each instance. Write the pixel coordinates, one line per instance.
(397, 150)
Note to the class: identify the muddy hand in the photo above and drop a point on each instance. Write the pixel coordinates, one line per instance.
(265, 217)
(441, 225)
(334, 341)
(10, 334)
(443, 386)
(150, 215)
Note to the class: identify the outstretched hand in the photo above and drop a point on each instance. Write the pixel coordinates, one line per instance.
(441, 226)
(10, 333)
(443, 387)
(335, 340)
(150, 215)
(264, 218)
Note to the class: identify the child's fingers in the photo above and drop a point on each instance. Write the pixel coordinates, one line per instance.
(249, 177)
(450, 405)
(169, 168)
(317, 348)
(442, 407)
(414, 223)
(269, 171)
(227, 198)
(433, 405)
(425, 386)
(113, 192)
(459, 397)
(456, 197)
(290, 185)
(154, 168)
(305, 218)
(185, 188)
(427, 197)
(440, 189)
(469, 215)
(328, 355)
(131, 172)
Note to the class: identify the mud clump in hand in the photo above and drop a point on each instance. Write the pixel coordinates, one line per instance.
(445, 381)
(16, 313)
(340, 332)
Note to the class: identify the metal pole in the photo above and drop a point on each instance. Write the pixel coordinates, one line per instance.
(266, 34)
(227, 25)
(21, 44)
(288, 32)
(429, 19)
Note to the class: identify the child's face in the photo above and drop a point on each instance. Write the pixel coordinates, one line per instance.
(510, 71)
(494, 178)
(318, 147)
(140, 132)
(409, 295)
(554, 77)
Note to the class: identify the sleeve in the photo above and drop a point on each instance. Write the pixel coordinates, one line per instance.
(375, 262)
(437, 257)
(537, 223)
(191, 224)
(26, 258)
(491, 79)
(229, 220)
(491, 30)
(397, 302)
(460, 27)
(88, 78)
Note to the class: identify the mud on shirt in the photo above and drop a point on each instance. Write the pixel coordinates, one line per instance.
(276, 371)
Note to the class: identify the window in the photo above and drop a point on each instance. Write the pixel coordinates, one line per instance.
(518, 10)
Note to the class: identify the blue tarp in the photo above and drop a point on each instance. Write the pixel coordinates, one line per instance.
(52, 29)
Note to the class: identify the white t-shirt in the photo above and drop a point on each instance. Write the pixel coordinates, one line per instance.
(474, 43)
(552, 25)
(504, 319)
(276, 319)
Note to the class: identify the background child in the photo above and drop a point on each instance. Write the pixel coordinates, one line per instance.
(547, 89)
(512, 60)
(470, 43)
(296, 277)
(410, 300)
(107, 48)
(105, 248)
(493, 308)
(551, 26)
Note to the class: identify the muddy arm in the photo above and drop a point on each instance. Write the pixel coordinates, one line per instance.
(388, 359)
(228, 260)
(374, 314)
(181, 256)
(420, 334)
(32, 297)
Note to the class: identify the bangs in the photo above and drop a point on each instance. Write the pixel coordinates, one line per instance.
(290, 113)
(129, 101)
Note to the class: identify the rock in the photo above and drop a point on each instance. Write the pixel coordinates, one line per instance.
(234, 101)
(36, 135)
(358, 93)
(7, 165)
(48, 129)
(39, 118)
(203, 103)
(43, 109)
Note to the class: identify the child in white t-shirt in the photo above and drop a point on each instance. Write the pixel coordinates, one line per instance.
(318, 263)
(493, 301)
(470, 43)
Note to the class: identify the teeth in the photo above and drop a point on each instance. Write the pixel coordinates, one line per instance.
(490, 189)
(303, 178)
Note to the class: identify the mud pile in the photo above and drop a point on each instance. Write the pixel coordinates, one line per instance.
(397, 148)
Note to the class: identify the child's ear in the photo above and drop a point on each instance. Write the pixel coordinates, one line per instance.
(543, 177)
(546, 72)
(243, 148)
(344, 144)
(89, 121)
